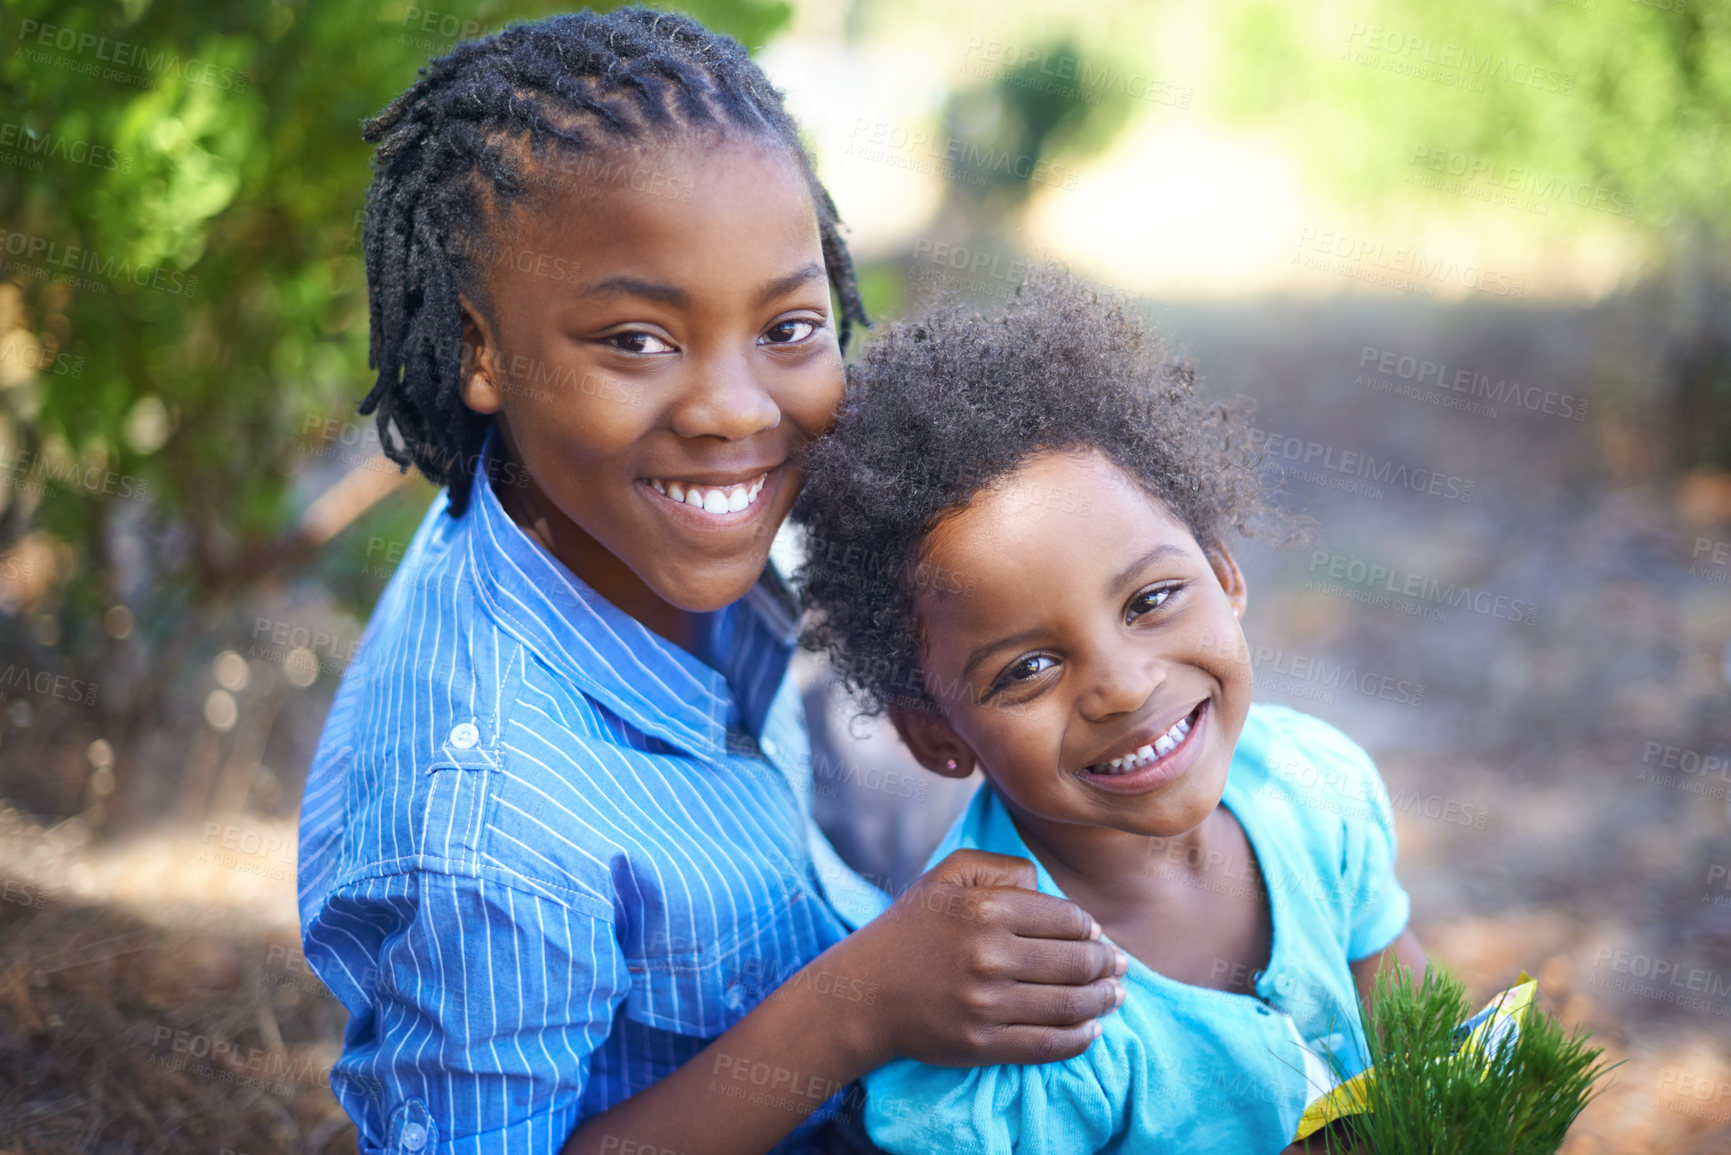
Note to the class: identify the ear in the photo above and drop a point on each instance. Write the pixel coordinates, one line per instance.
(933, 744)
(1226, 572)
(481, 385)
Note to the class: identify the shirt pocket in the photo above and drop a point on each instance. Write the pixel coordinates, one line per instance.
(702, 992)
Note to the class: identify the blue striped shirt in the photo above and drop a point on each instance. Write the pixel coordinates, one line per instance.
(547, 855)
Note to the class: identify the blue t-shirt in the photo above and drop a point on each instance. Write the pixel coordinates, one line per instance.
(1181, 1068)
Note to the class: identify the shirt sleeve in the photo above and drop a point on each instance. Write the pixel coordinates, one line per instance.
(474, 1009)
(1378, 908)
(1078, 1105)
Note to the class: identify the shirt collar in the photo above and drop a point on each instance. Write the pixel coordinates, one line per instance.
(654, 685)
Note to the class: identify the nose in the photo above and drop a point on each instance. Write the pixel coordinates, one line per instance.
(1120, 679)
(724, 398)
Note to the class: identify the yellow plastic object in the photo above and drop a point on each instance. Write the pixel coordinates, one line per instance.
(1492, 1027)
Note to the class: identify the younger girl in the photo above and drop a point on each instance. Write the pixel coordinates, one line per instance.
(1082, 648)
(556, 850)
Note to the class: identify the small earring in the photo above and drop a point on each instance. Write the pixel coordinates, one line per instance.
(950, 765)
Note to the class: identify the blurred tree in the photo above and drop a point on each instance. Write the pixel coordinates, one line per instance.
(1619, 108)
(183, 342)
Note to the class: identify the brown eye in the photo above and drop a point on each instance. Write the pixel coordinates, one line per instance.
(788, 332)
(1023, 669)
(1147, 601)
(637, 341)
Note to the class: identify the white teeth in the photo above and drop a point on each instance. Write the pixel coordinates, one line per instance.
(1160, 747)
(711, 499)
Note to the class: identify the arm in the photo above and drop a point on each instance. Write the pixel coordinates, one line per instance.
(1404, 951)
(970, 966)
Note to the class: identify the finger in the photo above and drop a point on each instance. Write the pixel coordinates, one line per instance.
(1047, 960)
(1048, 1005)
(1034, 915)
(983, 868)
(1021, 1043)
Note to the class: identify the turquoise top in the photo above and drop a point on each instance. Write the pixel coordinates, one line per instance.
(1181, 1068)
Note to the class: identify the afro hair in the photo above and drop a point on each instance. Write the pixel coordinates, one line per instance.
(940, 408)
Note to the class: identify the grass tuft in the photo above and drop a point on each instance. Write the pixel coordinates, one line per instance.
(1518, 1097)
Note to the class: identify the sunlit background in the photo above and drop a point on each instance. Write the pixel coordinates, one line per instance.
(1469, 261)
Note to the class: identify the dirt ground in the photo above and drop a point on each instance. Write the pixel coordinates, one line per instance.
(1557, 742)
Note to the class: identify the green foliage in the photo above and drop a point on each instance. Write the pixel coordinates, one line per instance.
(1518, 1098)
(1632, 98)
(183, 299)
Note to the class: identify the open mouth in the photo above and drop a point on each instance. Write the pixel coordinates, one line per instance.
(714, 500)
(1152, 753)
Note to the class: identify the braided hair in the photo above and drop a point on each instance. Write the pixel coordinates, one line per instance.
(467, 141)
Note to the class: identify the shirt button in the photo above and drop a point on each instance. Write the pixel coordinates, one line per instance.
(768, 745)
(463, 736)
(733, 996)
(414, 1135)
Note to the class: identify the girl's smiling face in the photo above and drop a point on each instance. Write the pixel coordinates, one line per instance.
(658, 351)
(1095, 668)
